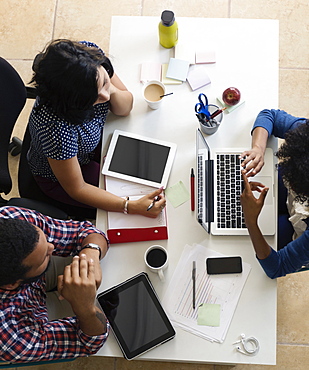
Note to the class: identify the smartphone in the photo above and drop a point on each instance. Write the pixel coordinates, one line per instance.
(223, 265)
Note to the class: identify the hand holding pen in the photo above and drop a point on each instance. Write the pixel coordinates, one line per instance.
(152, 204)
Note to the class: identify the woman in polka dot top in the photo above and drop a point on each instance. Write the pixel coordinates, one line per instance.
(76, 86)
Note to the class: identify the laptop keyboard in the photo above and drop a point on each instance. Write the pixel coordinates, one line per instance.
(200, 187)
(229, 188)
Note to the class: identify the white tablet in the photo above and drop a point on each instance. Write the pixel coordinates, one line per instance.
(139, 159)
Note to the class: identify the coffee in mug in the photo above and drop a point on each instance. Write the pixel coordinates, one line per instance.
(156, 259)
(153, 92)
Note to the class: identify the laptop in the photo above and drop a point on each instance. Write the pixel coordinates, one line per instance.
(219, 186)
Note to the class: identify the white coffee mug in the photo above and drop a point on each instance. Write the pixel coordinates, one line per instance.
(152, 92)
(156, 259)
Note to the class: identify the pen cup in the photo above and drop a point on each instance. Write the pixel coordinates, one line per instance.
(212, 126)
(156, 259)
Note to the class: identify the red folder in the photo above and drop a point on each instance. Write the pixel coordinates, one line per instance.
(123, 228)
(137, 234)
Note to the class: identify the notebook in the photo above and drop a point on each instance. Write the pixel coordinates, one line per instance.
(219, 186)
(136, 316)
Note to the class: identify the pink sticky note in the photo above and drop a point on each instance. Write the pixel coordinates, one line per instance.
(150, 71)
(198, 77)
(205, 56)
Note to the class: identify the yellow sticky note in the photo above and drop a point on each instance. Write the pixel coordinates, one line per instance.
(209, 314)
(177, 194)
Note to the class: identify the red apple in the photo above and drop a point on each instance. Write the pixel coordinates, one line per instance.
(231, 96)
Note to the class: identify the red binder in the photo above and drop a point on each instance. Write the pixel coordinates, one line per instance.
(123, 228)
(135, 228)
(137, 235)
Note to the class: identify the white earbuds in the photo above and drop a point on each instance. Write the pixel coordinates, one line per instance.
(250, 346)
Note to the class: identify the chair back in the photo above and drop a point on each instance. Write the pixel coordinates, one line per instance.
(12, 100)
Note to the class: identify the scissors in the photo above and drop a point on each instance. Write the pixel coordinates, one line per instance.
(202, 107)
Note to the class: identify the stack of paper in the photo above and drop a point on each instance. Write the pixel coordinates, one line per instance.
(223, 290)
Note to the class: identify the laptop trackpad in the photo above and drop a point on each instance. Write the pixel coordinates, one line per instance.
(267, 181)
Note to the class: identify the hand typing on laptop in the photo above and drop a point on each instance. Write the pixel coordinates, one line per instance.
(254, 158)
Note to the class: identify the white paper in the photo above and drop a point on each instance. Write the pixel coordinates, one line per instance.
(123, 188)
(216, 289)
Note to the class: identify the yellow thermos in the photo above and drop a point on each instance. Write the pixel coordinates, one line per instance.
(168, 29)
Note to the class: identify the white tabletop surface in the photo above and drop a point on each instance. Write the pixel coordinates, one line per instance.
(247, 58)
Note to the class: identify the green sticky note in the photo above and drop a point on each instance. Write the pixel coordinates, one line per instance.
(209, 314)
(177, 194)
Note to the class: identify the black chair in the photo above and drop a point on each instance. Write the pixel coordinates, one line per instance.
(13, 95)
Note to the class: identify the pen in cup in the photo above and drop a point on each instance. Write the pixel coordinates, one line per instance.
(217, 112)
(193, 281)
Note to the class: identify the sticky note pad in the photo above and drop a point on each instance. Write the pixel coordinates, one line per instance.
(168, 81)
(177, 194)
(205, 56)
(230, 108)
(185, 52)
(178, 69)
(197, 77)
(150, 71)
(209, 314)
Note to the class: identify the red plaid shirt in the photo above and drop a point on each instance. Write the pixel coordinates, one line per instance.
(25, 332)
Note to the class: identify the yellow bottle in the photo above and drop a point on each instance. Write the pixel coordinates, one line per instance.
(168, 29)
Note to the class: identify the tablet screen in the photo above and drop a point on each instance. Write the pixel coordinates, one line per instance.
(139, 158)
(136, 316)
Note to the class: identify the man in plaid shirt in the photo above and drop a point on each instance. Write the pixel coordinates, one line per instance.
(28, 240)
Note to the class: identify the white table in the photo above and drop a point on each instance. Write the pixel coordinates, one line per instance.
(246, 57)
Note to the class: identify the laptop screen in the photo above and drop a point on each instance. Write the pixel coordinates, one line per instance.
(205, 191)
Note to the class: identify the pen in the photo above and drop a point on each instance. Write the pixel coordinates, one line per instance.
(193, 281)
(217, 112)
(192, 178)
(153, 202)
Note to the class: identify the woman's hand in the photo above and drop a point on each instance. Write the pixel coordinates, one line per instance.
(253, 161)
(251, 205)
(141, 205)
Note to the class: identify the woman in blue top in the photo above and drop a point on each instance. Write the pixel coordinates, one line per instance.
(76, 86)
(293, 166)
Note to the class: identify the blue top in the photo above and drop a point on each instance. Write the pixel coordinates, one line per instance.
(295, 254)
(56, 138)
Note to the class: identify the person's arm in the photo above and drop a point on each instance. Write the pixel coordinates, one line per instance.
(268, 122)
(252, 207)
(254, 158)
(95, 255)
(121, 100)
(78, 286)
(69, 175)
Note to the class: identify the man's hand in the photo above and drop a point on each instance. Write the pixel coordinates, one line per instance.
(251, 205)
(78, 284)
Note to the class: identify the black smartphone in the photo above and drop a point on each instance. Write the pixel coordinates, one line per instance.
(223, 265)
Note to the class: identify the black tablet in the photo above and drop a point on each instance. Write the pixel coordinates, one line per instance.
(136, 316)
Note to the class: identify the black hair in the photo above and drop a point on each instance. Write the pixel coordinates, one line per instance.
(18, 239)
(65, 77)
(293, 164)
